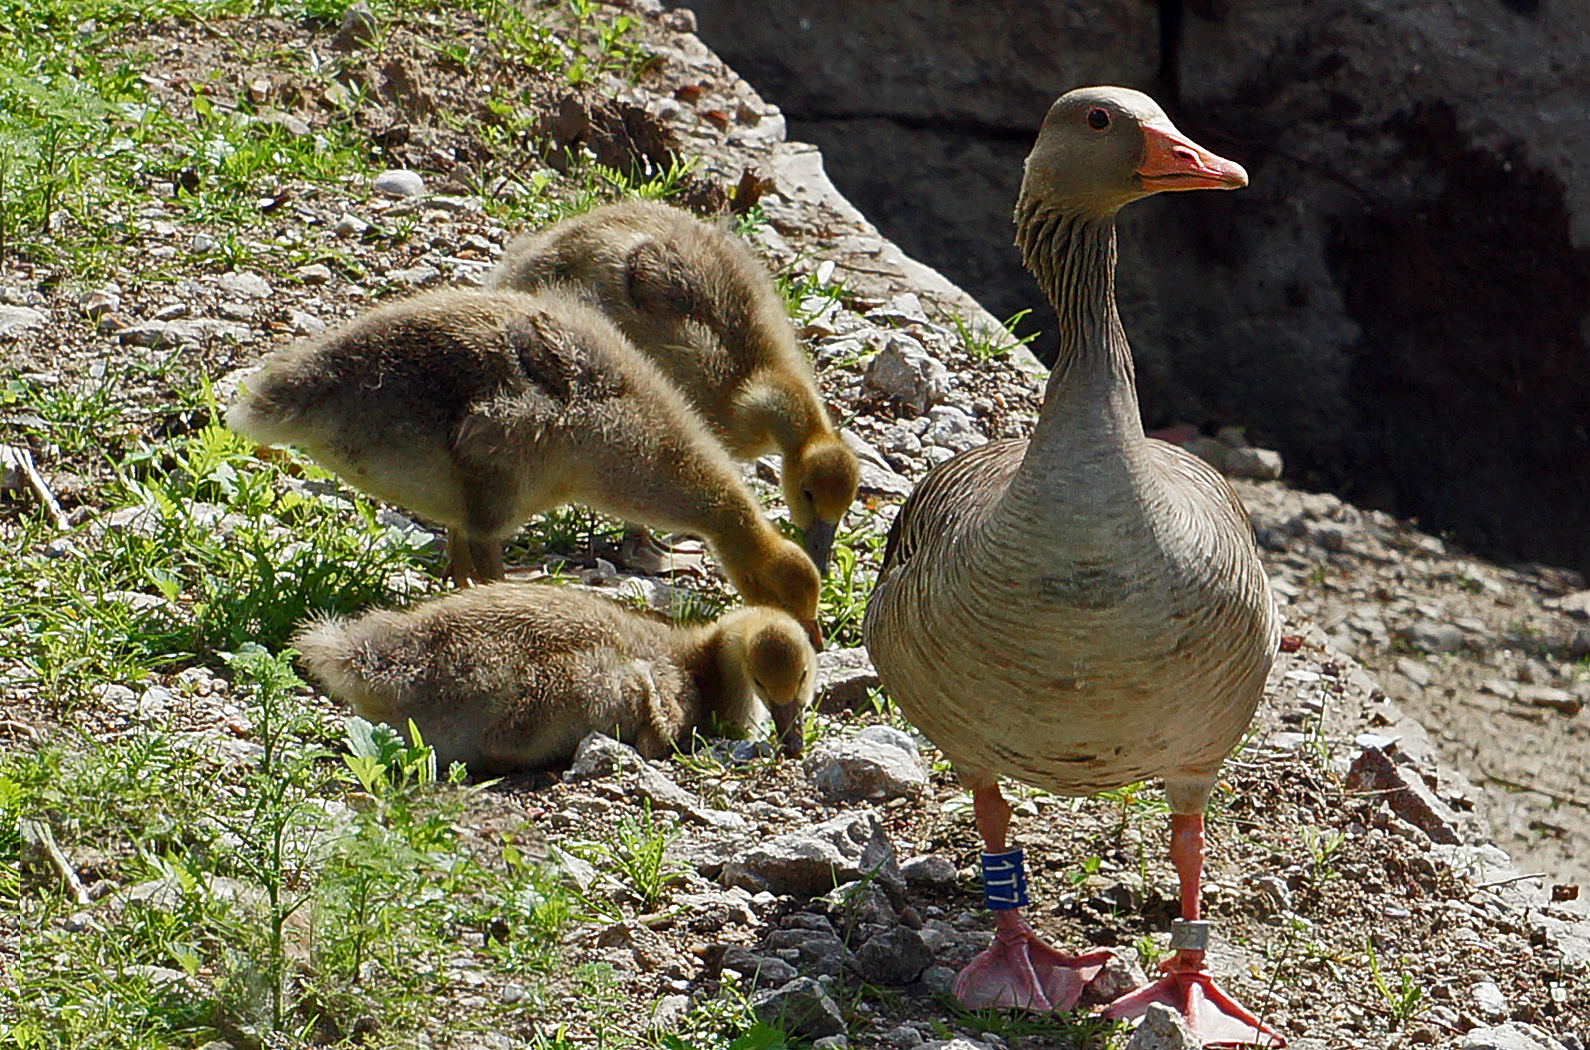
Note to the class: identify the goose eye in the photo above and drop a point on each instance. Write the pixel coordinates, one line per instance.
(1098, 118)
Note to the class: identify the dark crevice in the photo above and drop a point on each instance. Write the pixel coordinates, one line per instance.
(943, 125)
(1171, 14)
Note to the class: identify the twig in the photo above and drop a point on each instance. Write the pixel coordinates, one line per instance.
(21, 460)
(38, 833)
(1507, 882)
(1555, 796)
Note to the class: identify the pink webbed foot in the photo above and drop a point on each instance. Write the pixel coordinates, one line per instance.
(1213, 1017)
(1020, 970)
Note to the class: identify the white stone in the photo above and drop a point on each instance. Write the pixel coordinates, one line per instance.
(15, 319)
(857, 769)
(904, 370)
(1514, 1035)
(1162, 1028)
(1261, 463)
(397, 182)
(244, 285)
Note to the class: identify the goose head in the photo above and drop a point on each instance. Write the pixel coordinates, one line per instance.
(1103, 147)
(819, 487)
(782, 670)
(780, 574)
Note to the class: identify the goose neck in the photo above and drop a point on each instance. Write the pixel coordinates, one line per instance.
(1072, 255)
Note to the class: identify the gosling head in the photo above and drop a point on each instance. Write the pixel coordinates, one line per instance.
(782, 670)
(819, 487)
(781, 575)
(1104, 147)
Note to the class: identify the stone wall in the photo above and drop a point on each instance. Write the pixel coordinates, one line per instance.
(1398, 302)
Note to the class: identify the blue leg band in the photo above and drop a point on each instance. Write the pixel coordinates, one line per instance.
(1004, 881)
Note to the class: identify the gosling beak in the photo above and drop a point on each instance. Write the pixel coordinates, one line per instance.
(819, 542)
(814, 634)
(1172, 161)
(791, 733)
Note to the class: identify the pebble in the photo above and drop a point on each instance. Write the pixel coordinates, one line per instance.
(1416, 671)
(845, 677)
(1162, 1028)
(904, 370)
(807, 863)
(100, 302)
(1514, 1035)
(760, 971)
(1435, 637)
(398, 182)
(305, 323)
(953, 429)
(244, 285)
(1488, 1000)
(350, 226)
(903, 1037)
(801, 1007)
(894, 957)
(416, 276)
(14, 319)
(861, 769)
(1262, 464)
(931, 870)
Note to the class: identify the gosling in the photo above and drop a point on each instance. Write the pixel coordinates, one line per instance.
(692, 297)
(481, 409)
(515, 675)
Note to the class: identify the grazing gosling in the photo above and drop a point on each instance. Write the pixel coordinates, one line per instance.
(515, 675)
(691, 295)
(480, 409)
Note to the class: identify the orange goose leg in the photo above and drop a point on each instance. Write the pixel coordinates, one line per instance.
(1018, 969)
(1214, 1018)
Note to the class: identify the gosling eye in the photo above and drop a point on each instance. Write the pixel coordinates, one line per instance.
(808, 494)
(1098, 118)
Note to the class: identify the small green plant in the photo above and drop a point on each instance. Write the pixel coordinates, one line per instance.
(985, 344)
(638, 853)
(1403, 1000)
(1088, 868)
(1322, 849)
(383, 763)
(269, 839)
(725, 1022)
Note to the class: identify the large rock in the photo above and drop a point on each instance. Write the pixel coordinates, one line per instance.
(805, 863)
(1398, 302)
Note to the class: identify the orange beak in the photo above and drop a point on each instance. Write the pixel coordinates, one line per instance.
(1172, 161)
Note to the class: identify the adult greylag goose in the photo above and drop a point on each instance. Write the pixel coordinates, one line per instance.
(1086, 608)
(515, 675)
(691, 295)
(480, 409)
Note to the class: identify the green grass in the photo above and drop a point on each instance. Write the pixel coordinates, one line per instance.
(987, 344)
(294, 906)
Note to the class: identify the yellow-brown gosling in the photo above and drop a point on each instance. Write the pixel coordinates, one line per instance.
(515, 675)
(480, 409)
(691, 295)
(1086, 608)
